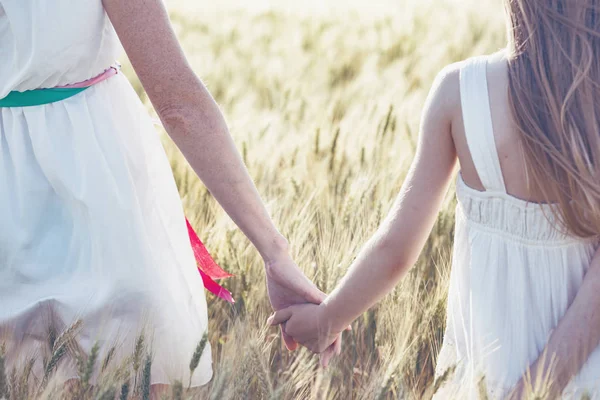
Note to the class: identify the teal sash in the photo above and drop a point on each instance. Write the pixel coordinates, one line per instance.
(38, 97)
(207, 267)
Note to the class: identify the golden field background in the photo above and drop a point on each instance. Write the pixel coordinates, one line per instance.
(324, 100)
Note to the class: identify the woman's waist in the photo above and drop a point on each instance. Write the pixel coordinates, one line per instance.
(32, 76)
(46, 95)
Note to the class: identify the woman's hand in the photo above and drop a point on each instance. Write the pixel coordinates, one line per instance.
(307, 325)
(288, 286)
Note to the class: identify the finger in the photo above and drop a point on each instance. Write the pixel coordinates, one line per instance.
(290, 343)
(327, 355)
(281, 316)
(314, 295)
(305, 288)
(338, 345)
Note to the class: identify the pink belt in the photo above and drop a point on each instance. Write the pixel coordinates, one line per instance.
(208, 268)
(112, 71)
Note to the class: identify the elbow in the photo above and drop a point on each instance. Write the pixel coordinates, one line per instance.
(592, 275)
(395, 254)
(178, 121)
(192, 119)
(173, 115)
(593, 271)
(185, 105)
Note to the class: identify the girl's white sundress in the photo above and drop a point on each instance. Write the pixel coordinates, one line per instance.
(513, 276)
(91, 224)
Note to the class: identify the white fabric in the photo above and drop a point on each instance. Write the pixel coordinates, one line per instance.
(91, 224)
(481, 138)
(514, 274)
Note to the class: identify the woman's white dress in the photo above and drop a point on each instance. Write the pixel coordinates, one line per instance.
(91, 225)
(513, 276)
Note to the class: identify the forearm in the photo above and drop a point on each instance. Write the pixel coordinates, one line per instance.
(399, 241)
(191, 116)
(199, 130)
(395, 247)
(574, 339)
(374, 274)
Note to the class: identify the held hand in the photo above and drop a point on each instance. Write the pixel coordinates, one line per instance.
(287, 286)
(307, 325)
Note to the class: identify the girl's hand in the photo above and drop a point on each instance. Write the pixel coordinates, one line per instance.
(307, 325)
(287, 286)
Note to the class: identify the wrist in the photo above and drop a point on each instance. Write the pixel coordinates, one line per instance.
(330, 318)
(274, 250)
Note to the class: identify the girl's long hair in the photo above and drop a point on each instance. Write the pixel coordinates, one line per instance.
(554, 74)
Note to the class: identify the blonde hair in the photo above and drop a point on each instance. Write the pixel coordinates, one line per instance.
(554, 74)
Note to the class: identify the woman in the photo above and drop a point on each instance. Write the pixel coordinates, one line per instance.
(91, 226)
(524, 125)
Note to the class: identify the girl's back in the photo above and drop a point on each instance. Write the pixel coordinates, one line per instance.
(506, 136)
(515, 271)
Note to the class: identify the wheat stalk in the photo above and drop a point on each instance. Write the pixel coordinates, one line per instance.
(67, 335)
(197, 355)
(146, 376)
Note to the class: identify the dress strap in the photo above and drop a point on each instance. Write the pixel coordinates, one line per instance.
(477, 117)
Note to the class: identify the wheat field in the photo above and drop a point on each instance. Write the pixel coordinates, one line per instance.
(324, 100)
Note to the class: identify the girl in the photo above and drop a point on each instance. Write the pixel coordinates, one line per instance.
(524, 125)
(91, 226)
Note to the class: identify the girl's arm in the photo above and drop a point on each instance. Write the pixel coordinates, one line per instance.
(196, 125)
(574, 339)
(396, 245)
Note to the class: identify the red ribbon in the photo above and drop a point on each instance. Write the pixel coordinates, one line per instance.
(208, 268)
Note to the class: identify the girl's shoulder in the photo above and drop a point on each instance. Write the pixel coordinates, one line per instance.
(446, 87)
(451, 72)
(445, 91)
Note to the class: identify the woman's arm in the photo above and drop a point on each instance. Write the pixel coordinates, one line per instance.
(574, 339)
(397, 244)
(191, 117)
(196, 125)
